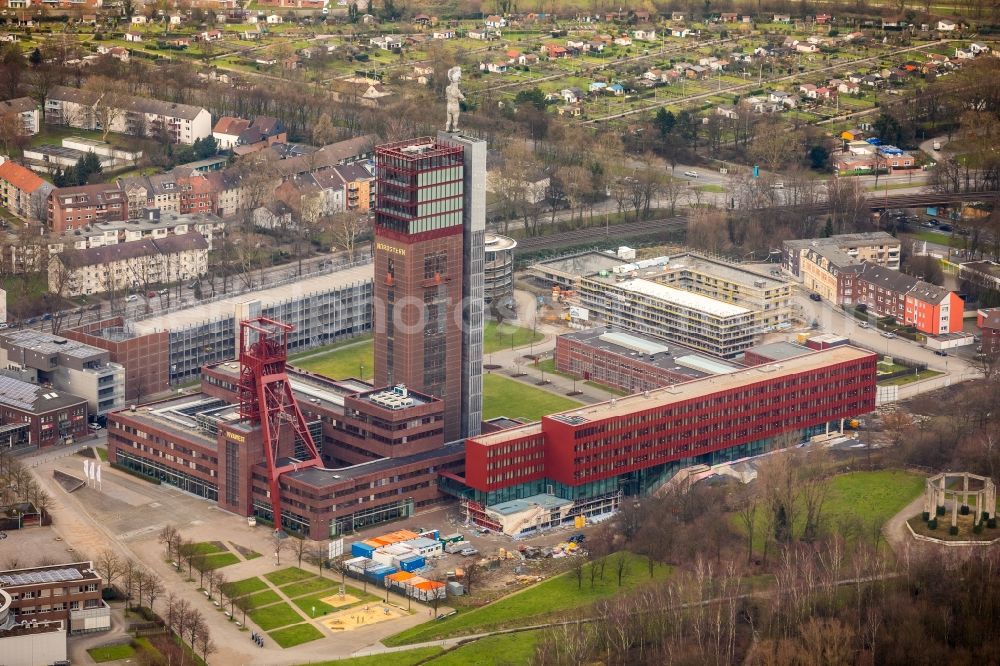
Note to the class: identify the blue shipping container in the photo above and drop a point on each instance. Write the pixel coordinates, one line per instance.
(361, 549)
(412, 563)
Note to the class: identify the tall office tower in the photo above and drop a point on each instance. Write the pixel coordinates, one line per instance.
(473, 278)
(419, 251)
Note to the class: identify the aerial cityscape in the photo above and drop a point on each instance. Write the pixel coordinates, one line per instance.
(372, 332)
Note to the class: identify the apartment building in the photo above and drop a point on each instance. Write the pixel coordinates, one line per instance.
(22, 192)
(67, 365)
(138, 116)
(873, 247)
(42, 416)
(133, 265)
(158, 191)
(988, 321)
(76, 207)
(25, 110)
(67, 593)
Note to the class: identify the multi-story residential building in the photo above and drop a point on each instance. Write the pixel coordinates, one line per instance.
(158, 191)
(583, 461)
(67, 365)
(631, 362)
(988, 321)
(131, 265)
(359, 185)
(873, 247)
(154, 223)
(139, 116)
(22, 192)
(197, 194)
(42, 416)
(66, 593)
(77, 207)
(25, 110)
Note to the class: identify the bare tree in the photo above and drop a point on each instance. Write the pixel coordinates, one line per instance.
(109, 566)
(347, 228)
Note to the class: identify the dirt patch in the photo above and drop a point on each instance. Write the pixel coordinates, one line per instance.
(246, 553)
(943, 531)
(338, 601)
(353, 618)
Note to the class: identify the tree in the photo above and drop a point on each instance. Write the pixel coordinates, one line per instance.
(532, 96)
(36, 57)
(323, 130)
(665, 121)
(130, 570)
(347, 228)
(818, 157)
(168, 536)
(473, 572)
(278, 543)
(109, 109)
(318, 556)
(109, 566)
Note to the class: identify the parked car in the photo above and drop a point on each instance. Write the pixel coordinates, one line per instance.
(131, 297)
(691, 174)
(47, 316)
(863, 324)
(94, 426)
(815, 297)
(3, 325)
(940, 352)
(889, 334)
(468, 552)
(778, 186)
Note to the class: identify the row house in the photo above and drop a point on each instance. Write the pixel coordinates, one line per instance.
(25, 112)
(76, 207)
(131, 265)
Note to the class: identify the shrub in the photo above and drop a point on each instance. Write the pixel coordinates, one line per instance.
(925, 516)
(940, 510)
(953, 530)
(991, 523)
(932, 524)
(964, 510)
(977, 528)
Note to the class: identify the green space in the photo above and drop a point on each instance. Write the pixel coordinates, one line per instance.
(549, 367)
(295, 635)
(263, 598)
(507, 397)
(111, 652)
(500, 650)
(856, 499)
(402, 658)
(909, 379)
(277, 615)
(350, 358)
(711, 188)
(220, 560)
(537, 603)
(243, 587)
(497, 337)
(308, 587)
(208, 548)
(946, 240)
(102, 453)
(288, 575)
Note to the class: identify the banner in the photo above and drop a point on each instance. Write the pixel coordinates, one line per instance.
(99, 473)
(86, 470)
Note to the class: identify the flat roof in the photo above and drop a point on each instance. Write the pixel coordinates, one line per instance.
(635, 345)
(519, 505)
(178, 416)
(716, 383)
(780, 350)
(34, 398)
(586, 263)
(46, 343)
(226, 307)
(683, 298)
(323, 476)
(706, 365)
(55, 573)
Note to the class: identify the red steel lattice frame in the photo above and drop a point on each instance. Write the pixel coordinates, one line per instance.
(266, 398)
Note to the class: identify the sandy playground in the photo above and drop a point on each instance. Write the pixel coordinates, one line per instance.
(361, 616)
(339, 601)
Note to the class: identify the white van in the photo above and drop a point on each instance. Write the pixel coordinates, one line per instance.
(691, 174)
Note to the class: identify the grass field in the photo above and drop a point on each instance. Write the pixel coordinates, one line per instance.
(295, 635)
(288, 575)
(550, 598)
(245, 586)
(505, 336)
(111, 652)
(857, 499)
(308, 587)
(220, 560)
(264, 598)
(947, 240)
(506, 397)
(549, 366)
(351, 358)
(909, 379)
(501, 650)
(277, 615)
(402, 658)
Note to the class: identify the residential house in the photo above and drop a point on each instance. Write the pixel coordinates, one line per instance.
(572, 110)
(387, 42)
(597, 86)
(782, 18)
(808, 89)
(422, 19)
(677, 16)
(275, 214)
(783, 98)
(555, 51)
(726, 111)
(623, 40)
(495, 67)
(527, 59)
(264, 131)
(728, 17)
(495, 22)
(359, 185)
(571, 95)
(806, 47)
(25, 111)
(848, 87)
(824, 19)
(130, 265)
(978, 48)
(155, 192)
(176, 19)
(595, 46)
(679, 32)
(76, 207)
(825, 93)
(273, 19)
(210, 35)
(444, 34)
(616, 89)
(22, 192)
(133, 37)
(139, 19)
(944, 25)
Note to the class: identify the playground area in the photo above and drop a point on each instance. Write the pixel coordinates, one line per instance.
(361, 616)
(340, 600)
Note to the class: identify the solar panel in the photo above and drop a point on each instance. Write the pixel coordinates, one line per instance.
(43, 576)
(16, 393)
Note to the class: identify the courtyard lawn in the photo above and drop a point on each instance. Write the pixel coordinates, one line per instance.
(516, 648)
(401, 658)
(111, 652)
(288, 575)
(497, 337)
(535, 604)
(208, 548)
(243, 587)
(909, 379)
(220, 560)
(507, 397)
(351, 358)
(308, 587)
(263, 598)
(272, 617)
(549, 367)
(295, 635)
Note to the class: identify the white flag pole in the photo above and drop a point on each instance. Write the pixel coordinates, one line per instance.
(86, 472)
(99, 475)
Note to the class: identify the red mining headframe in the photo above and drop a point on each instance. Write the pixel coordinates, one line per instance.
(266, 398)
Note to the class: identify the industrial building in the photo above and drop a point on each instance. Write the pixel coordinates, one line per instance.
(583, 461)
(64, 364)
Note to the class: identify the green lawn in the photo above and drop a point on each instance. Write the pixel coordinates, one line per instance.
(272, 617)
(943, 239)
(507, 397)
(402, 658)
(288, 575)
(264, 598)
(308, 587)
(710, 188)
(503, 650)
(352, 358)
(111, 652)
(245, 586)
(909, 379)
(549, 367)
(220, 560)
(208, 548)
(535, 604)
(295, 635)
(506, 336)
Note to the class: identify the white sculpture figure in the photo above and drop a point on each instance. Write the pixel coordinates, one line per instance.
(454, 96)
